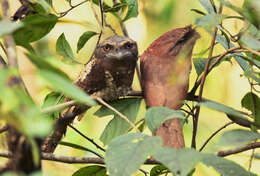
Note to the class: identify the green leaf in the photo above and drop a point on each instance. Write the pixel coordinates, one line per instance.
(199, 63)
(45, 5)
(7, 27)
(225, 167)
(118, 126)
(207, 5)
(63, 47)
(94, 170)
(251, 74)
(84, 38)
(65, 86)
(127, 153)
(251, 12)
(209, 21)
(159, 170)
(222, 108)
(35, 27)
(180, 162)
(238, 137)
(252, 102)
(132, 9)
(251, 38)
(155, 116)
(52, 99)
(41, 63)
(42, 125)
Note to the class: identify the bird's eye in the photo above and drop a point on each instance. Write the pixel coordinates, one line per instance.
(107, 47)
(129, 45)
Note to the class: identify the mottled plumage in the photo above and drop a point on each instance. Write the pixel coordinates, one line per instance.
(109, 74)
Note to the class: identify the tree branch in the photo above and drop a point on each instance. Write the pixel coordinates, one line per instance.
(238, 150)
(72, 160)
(203, 78)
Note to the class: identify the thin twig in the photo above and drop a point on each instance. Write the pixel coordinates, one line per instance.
(58, 107)
(251, 160)
(221, 56)
(251, 50)
(100, 23)
(203, 79)
(117, 112)
(72, 160)
(62, 14)
(214, 134)
(239, 150)
(3, 129)
(84, 136)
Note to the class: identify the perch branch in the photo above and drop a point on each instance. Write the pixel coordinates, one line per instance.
(72, 160)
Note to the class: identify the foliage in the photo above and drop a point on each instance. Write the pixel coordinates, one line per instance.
(127, 151)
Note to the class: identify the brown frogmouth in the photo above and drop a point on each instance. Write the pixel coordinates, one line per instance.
(108, 75)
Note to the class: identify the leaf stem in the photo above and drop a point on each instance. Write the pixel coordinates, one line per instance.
(214, 134)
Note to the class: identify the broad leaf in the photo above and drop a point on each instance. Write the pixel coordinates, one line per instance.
(238, 137)
(63, 47)
(252, 8)
(209, 21)
(251, 38)
(7, 27)
(53, 99)
(132, 9)
(207, 5)
(155, 116)
(65, 86)
(225, 167)
(222, 108)
(127, 153)
(35, 27)
(182, 161)
(94, 170)
(252, 102)
(41, 63)
(118, 126)
(84, 38)
(45, 5)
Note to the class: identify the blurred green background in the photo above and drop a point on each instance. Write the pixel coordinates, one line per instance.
(224, 84)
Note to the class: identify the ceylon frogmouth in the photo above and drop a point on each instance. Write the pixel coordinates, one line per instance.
(108, 75)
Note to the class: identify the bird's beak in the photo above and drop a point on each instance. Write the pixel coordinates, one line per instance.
(119, 55)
